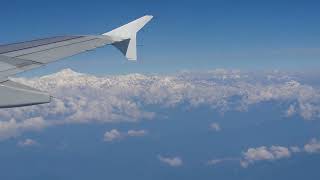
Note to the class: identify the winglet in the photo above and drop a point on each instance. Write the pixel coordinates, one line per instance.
(124, 37)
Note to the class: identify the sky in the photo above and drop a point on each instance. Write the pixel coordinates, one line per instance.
(221, 90)
(184, 35)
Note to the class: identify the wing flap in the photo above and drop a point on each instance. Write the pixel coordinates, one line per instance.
(13, 94)
(20, 57)
(10, 66)
(61, 50)
(14, 47)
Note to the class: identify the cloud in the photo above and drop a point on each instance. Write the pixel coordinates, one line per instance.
(291, 110)
(280, 152)
(112, 135)
(135, 133)
(14, 128)
(82, 98)
(28, 143)
(272, 153)
(263, 153)
(215, 127)
(171, 161)
(313, 146)
(214, 162)
(295, 149)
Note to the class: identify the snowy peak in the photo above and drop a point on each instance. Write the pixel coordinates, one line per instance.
(65, 73)
(133, 92)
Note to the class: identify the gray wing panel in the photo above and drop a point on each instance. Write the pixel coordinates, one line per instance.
(35, 43)
(19, 57)
(63, 50)
(13, 94)
(10, 66)
(47, 50)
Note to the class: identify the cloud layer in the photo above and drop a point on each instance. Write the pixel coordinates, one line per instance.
(82, 98)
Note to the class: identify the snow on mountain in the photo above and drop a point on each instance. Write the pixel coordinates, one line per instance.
(83, 98)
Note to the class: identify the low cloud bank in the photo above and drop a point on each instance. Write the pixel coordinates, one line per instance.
(82, 98)
(273, 153)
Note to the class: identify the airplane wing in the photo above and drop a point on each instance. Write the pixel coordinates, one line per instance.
(20, 57)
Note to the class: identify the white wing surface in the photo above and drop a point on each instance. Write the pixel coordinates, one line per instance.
(20, 57)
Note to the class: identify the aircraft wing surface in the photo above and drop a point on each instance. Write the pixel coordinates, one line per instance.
(19, 57)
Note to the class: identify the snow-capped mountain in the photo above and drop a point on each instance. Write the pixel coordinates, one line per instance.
(83, 98)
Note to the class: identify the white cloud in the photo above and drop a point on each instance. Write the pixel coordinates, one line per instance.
(27, 143)
(313, 146)
(280, 152)
(215, 127)
(273, 153)
(112, 135)
(171, 161)
(260, 153)
(137, 132)
(82, 98)
(13, 128)
(263, 153)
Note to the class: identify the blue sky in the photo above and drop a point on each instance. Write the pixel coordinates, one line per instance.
(185, 35)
